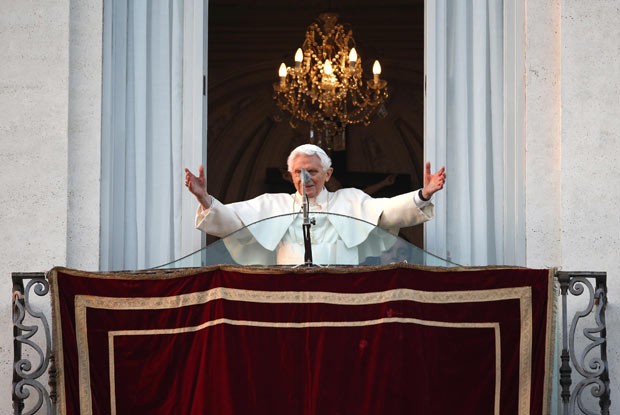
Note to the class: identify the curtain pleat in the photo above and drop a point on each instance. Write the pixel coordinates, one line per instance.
(465, 122)
(150, 83)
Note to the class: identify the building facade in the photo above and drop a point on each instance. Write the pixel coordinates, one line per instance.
(51, 136)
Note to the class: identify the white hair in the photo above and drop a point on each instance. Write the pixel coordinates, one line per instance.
(309, 149)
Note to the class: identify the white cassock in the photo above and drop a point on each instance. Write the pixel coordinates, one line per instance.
(336, 238)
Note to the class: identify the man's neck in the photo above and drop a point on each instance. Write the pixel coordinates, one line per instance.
(316, 199)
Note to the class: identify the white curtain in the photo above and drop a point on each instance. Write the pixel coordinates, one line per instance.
(473, 126)
(151, 130)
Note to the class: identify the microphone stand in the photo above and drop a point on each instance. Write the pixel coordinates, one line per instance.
(307, 222)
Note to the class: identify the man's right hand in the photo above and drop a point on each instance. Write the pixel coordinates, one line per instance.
(197, 185)
(433, 182)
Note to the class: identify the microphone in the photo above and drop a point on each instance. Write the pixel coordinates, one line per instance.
(305, 177)
(307, 222)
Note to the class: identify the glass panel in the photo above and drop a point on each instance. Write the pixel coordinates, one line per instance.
(335, 240)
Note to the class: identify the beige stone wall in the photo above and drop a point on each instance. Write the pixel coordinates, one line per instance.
(34, 73)
(590, 221)
(50, 94)
(573, 145)
(84, 134)
(543, 133)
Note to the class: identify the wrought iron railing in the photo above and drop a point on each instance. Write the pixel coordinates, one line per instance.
(587, 370)
(584, 365)
(27, 322)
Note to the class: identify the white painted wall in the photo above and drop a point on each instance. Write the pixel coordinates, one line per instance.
(50, 94)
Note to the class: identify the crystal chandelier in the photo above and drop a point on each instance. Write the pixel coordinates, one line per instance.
(325, 88)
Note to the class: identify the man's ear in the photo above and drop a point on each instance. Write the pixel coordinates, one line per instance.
(329, 173)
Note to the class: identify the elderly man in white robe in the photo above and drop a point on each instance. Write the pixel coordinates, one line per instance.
(335, 237)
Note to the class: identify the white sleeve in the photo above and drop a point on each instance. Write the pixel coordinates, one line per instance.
(418, 200)
(219, 220)
(403, 210)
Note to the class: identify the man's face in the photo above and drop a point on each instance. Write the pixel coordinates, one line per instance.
(318, 177)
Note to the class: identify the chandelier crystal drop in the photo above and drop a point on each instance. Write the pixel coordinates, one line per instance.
(325, 88)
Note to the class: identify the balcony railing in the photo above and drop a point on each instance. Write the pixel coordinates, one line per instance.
(32, 348)
(583, 366)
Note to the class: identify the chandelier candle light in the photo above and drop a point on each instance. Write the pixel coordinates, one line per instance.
(325, 88)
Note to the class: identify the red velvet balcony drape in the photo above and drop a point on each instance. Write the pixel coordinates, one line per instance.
(373, 340)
